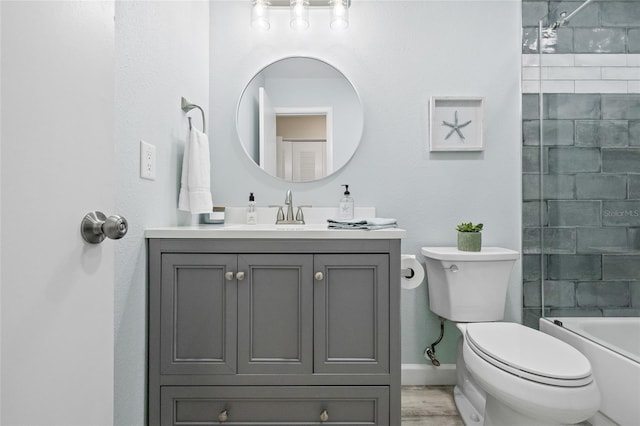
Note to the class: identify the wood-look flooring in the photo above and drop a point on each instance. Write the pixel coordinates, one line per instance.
(429, 406)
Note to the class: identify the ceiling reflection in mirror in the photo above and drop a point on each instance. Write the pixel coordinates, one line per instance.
(299, 119)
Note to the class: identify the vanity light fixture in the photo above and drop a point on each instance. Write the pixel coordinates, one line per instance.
(339, 14)
(299, 12)
(260, 15)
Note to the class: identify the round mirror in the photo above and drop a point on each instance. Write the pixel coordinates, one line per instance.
(299, 119)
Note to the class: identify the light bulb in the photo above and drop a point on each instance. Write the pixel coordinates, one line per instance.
(299, 14)
(339, 15)
(260, 15)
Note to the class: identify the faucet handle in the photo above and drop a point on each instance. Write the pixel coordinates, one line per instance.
(300, 214)
(280, 214)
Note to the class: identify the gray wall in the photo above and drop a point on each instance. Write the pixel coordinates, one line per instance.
(590, 161)
(397, 54)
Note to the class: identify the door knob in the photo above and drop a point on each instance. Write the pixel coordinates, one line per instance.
(228, 276)
(324, 416)
(95, 227)
(319, 276)
(240, 276)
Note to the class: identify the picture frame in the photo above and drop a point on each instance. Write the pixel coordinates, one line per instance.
(456, 123)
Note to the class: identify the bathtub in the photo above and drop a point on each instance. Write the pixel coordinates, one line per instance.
(612, 345)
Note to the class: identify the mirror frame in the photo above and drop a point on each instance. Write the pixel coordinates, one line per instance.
(359, 131)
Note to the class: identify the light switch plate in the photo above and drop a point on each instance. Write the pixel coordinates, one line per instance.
(147, 161)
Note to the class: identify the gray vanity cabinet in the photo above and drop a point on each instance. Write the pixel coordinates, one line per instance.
(251, 332)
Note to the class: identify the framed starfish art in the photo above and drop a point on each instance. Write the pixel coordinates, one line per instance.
(456, 124)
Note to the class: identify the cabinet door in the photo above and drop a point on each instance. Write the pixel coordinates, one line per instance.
(275, 314)
(198, 314)
(351, 313)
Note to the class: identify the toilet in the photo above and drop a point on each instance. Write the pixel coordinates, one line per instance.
(506, 374)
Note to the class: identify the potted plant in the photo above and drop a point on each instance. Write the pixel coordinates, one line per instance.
(469, 236)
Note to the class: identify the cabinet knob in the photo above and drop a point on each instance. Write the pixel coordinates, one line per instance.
(324, 416)
(240, 276)
(319, 276)
(223, 416)
(228, 276)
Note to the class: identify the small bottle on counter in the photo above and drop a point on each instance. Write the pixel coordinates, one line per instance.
(252, 214)
(345, 209)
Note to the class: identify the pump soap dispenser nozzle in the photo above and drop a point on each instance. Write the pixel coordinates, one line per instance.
(345, 210)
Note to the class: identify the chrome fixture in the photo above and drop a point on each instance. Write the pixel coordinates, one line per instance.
(288, 219)
(564, 17)
(188, 106)
(95, 227)
(299, 12)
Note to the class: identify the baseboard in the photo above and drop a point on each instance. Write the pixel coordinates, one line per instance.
(423, 374)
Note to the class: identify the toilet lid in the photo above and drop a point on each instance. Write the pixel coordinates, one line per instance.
(529, 353)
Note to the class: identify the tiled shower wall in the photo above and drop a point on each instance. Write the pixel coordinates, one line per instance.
(590, 205)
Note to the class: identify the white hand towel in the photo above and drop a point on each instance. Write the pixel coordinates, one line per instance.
(195, 185)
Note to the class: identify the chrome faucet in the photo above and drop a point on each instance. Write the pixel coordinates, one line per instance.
(281, 219)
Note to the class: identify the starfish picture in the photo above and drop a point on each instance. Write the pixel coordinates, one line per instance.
(455, 127)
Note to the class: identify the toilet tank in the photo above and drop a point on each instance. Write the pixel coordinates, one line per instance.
(467, 286)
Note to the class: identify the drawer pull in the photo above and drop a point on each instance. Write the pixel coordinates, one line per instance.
(228, 276)
(319, 277)
(324, 416)
(223, 416)
(240, 276)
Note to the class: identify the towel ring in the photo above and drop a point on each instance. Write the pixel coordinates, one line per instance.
(188, 106)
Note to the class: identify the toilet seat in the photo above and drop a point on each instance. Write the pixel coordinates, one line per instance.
(529, 354)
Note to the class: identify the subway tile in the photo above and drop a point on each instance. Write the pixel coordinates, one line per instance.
(575, 312)
(570, 106)
(633, 238)
(559, 240)
(531, 294)
(621, 73)
(558, 60)
(529, 40)
(531, 270)
(530, 87)
(620, 14)
(558, 86)
(557, 132)
(633, 60)
(587, 17)
(621, 160)
(594, 240)
(531, 132)
(620, 312)
(559, 294)
(530, 60)
(574, 213)
(602, 294)
(530, 108)
(614, 86)
(602, 133)
(634, 187)
(531, 317)
(571, 73)
(593, 59)
(621, 106)
(532, 12)
(621, 267)
(601, 187)
(599, 40)
(531, 213)
(621, 213)
(634, 40)
(633, 86)
(531, 159)
(574, 160)
(634, 133)
(559, 187)
(574, 267)
(634, 288)
(530, 73)
(531, 241)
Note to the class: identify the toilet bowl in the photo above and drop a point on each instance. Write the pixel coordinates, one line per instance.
(529, 378)
(507, 374)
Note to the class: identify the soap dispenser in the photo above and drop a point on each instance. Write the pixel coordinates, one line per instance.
(345, 210)
(252, 214)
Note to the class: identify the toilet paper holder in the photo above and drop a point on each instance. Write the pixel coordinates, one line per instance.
(407, 272)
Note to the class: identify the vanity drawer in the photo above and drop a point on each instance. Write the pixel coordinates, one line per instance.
(275, 405)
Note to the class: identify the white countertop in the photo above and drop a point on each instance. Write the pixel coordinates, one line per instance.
(270, 231)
